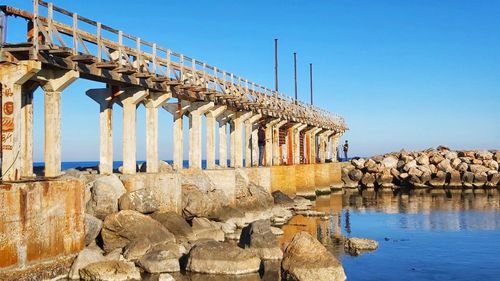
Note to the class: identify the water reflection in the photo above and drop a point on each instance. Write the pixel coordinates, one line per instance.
(436, 210)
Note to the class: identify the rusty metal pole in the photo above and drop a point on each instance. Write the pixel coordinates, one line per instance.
(311, 81)
(295, 74)
(276, 64)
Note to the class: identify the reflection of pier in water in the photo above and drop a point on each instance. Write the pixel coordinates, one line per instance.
(440, 210)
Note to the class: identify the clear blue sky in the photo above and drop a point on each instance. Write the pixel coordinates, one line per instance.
(404, 74)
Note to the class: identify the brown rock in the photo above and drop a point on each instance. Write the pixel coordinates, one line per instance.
(356, 246)
(121, 228)
(438, 180)
(306, 259)
(175, 224)
(110, 270)
(467, 179)
(368, 180)
(436, 159)
(480, 179)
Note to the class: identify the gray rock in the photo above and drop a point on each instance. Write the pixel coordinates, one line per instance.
(371, 166)
(436, 159)
(467, 179)
(368, 180)
(445, 166)
(281, 198)
(423, 160)
(142, 200)
(385, 178)
(121, 228)
(492, 164)
(355, 246)
(480, 179)
(104, 196)
(206, 229)
(259, 238)
(348, 183)
(415, 172)
(355, 175)
(454, 179)
(93, 227)
(438, 180)
(455, 163)
(410, 165)
(493, 181)
(484, 155)
(254, 197)
(305, 259)
(214, 257)
(175, 224)
(85, 257)
(159, 261)
(163, 167)
(450, 155)
(462, 167)
(196, 203)
(110, 271)
(390, 162)
(358, 163)
(476, 169)
(137, 248)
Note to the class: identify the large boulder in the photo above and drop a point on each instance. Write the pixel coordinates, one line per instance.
(371, 166)
(423, 159)
(163, 167)
(368, 180)
(105, 193)
(467, 179)
(355, 175)
(143, 201)
(480, 179)
(259, 238)
(355, 246)
(110, 271)
(491, 164)
(281, 198)
(159, 261)
(121, 228)
(385, 178)
(197, 203)
(462, 167)
(445, 166)
(175, 224)
(93, 227)
(438, 180)
(214, 257)
(390, 162)
(493, 181)
(455, 179)
(254, 197)
(137, 248)
(358, 163)
(348, 182)
(197, 178)
(305, 259)
(206, 229)
(476, 169)
(436, 159)
(87, 256)
(412, 164)
(484, 155)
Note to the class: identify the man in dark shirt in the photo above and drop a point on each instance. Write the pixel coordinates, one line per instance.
(261, 135)
(346, 148)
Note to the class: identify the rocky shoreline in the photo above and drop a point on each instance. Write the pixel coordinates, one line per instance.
(428, 169)
(129, 237)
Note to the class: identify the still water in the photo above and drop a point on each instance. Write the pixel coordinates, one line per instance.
(422, 236)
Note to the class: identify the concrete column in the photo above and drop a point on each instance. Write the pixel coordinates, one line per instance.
(291, 143)
(311, 144)
(212, 115)
(223, 120)
(269, 142)
(296, 143)
(196, 110)
(329, 145)
(335, 139)
(129, 99)
(177, 110)
(104, 97)
(236, 138)
(314, 145)
(276, 142)
(322, 145)
(27, 91)
(12, 78)
(53, 83)
(154, 100)
(251, 140)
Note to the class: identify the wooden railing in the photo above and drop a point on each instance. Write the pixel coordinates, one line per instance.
(128, 52)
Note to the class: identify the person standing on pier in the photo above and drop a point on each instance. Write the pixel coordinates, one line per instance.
(346, 148)
(261, 135)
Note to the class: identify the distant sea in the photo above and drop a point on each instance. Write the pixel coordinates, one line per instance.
(116, 164)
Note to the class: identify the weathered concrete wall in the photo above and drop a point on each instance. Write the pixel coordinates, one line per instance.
(306, 179)
(225, 180)
(166, 186)
(260, 176)
(41, 227)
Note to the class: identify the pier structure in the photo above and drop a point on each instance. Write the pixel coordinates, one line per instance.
(136, 73)
(43, 214)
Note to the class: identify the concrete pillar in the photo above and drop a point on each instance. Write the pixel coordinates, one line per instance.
(12, 78)
(311, 144)
(154, 100)
(251, 141)
(177, 110)
(269, 142)
(322, 145)
(129, 99)
(276, 142)
(291, 143)
(27, 91)
(335, 139)
(329, 145)
(296, 143)
(104, 97)
(223, 120)
(212, 115)
(196, 110)
(236, 138)
(53, 83)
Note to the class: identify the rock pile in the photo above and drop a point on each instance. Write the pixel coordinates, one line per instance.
(431, 168)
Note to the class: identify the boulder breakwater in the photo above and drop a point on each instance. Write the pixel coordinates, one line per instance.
(432, 169)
